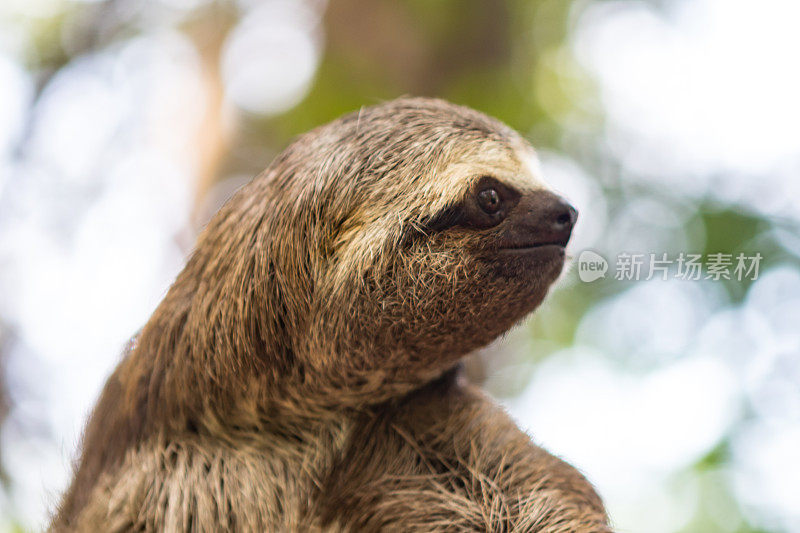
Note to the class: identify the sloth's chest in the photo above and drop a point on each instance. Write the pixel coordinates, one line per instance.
(196, 485)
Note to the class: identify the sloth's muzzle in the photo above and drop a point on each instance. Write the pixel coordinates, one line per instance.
(541, 218)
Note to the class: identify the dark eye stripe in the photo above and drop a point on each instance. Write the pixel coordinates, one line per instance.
(447, 218)
(467, 213)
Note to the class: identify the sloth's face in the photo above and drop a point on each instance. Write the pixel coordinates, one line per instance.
(468, 251)
(506, 219)
(486, 258)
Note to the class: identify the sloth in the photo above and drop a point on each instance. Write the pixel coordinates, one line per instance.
(303, 372)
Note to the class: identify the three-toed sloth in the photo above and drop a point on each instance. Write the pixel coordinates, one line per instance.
(302, 373)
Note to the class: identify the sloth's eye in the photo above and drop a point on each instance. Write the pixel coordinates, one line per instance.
(489, 200)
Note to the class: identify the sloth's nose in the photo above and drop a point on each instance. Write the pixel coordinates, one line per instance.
(541, 218)
(563, 215)
(556, 218)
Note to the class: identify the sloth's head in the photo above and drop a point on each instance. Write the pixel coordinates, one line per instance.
(387, 244)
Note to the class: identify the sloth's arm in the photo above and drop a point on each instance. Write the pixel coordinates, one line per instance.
(449, 459)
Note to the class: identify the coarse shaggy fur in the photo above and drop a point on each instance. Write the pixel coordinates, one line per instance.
(301, 374)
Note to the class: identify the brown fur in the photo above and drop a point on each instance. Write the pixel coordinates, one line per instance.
(300, 373)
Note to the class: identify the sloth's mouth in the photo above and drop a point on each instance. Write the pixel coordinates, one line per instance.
(534, 249)
(528, 247)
